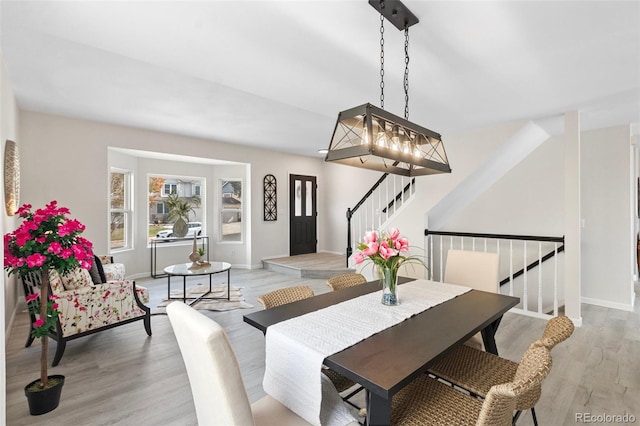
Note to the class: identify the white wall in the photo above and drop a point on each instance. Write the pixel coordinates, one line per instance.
(8, 130)
(347, 185)
(9, 293)
(607, 211)
(466, 152)
(67, 159)
(528, 200)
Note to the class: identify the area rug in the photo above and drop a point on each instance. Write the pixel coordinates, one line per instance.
(236, 299)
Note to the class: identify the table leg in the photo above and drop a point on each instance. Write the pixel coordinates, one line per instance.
(184, 289)
(168, 287)
(489, 336)
(378, 410)
(228, 284)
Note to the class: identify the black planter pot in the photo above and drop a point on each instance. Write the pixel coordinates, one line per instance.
(43, 401)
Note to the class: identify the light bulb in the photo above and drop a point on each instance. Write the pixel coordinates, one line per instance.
(395, 139)
(365, 136)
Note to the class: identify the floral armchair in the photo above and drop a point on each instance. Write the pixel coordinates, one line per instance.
(86, 307)
(112, 271)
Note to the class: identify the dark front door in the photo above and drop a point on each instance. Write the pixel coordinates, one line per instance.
(302, 214)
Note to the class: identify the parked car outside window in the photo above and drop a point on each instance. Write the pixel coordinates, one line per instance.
(195, 229)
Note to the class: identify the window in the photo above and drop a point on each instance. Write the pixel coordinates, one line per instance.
(171, 197)
(231, 210)
(169, 188)
(162, 208)
(120, 210)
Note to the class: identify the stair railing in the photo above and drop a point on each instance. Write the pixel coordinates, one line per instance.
(385, 198)
(522, 264)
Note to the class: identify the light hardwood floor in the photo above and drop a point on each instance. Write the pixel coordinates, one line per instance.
(123, 377)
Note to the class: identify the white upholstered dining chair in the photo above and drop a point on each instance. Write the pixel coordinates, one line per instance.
(218, 391)
(475, 269)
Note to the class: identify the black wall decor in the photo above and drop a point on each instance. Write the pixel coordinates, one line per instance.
(270, 187)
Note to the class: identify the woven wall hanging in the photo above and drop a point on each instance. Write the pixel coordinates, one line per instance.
(270, 187)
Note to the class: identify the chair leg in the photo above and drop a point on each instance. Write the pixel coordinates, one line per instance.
(147, 322)
(30, 339)
(516, 417)
(533, 414)
(59, 351)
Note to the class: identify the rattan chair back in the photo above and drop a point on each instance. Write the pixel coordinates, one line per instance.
(558, 330)
(497, 408)
(499, 403)
(285, 295)
(345, 280)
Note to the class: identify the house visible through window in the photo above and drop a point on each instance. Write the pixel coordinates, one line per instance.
(170, 188)
(120, 210)
(162, 208)
(173, 197)
(231, 210)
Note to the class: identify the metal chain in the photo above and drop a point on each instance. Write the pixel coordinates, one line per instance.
(406, 73)
(382, 60)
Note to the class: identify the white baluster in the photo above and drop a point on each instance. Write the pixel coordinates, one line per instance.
(526, 290)
(441, 251)
(555, 280)
(510, 267)
(540, 277)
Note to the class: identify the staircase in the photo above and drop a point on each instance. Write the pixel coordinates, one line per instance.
(387, 197)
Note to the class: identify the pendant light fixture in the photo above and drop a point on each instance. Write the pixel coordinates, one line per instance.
(370, 137)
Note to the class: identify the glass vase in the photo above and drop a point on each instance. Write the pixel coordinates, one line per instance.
(389, 281)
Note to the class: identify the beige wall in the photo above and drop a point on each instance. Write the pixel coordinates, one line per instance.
(608, 184)
(9, 293)
(68, 159)
(8, 130)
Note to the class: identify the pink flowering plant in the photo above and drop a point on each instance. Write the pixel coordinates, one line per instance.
(388, 251)
(47, 239)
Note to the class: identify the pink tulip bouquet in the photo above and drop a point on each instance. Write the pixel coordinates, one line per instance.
(388, 251)
(47, 239)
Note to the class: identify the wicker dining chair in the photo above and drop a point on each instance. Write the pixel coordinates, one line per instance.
(282, 296)
(427, 401)
(341, 281)
(286, 295)
(477, 371)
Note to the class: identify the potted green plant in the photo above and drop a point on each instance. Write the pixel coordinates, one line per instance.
(47, 239)
(179, 209)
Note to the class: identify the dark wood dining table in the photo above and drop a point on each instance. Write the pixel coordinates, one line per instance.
(387, 361)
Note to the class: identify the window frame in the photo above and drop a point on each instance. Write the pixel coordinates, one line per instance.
(126, 210)
(181, 181)
(221, 210)
(171, 189)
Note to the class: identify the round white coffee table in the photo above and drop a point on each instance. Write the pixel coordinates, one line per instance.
(185, 270)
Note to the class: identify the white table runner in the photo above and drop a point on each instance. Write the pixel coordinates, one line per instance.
(296, 348)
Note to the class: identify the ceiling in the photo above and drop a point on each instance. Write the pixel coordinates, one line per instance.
(275, 74)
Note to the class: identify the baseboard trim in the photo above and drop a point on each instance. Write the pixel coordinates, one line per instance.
(628, 307)
(576, 321)
(12, 319)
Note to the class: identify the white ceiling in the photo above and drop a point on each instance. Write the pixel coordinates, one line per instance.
(276, 73)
